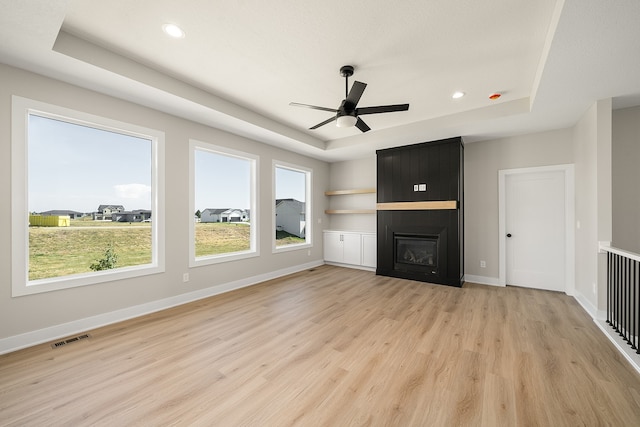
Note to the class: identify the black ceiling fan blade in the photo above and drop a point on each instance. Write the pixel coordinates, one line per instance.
(356, 92)
(382, 109)
(362, 125)
(324, 123)
(313, 107)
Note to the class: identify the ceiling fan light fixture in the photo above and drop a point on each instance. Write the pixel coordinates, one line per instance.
(346, 121)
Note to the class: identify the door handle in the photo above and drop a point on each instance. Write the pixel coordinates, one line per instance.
(508, 234)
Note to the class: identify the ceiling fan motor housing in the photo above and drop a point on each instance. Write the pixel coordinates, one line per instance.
(346, 71)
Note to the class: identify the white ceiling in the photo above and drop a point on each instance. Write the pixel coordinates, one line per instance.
(243, 61)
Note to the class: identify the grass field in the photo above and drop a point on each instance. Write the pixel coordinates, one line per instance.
(61, 251)
(221, 237)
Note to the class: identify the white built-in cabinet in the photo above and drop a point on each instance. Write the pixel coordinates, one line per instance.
(357, 249)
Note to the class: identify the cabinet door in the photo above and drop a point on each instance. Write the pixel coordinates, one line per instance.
(369, 250)
(352, 248)
(332, 247)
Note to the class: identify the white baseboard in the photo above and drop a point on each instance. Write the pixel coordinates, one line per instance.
(51, 333)
(482, 280)
(589, 307)
(632, 357)
(600, 319)
(359, 267)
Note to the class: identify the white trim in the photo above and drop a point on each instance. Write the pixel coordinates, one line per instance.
(569, 183)
(51, 333)
(589, 307)
(20, 283)
(483, 280)
(254, 250)
(308, 235)
(606, 247)
(632, 357)
(357, 267)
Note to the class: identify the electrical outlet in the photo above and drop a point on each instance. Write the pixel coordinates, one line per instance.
(309, 252)
(415, 187)
(594, 288)
(483, 264)
(422, 187)
(185, 277)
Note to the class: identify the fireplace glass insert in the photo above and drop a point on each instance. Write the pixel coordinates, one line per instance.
(416, 252)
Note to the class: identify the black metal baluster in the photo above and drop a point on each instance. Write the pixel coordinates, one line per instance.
(632, 302)
(617, 291)
(609, 275)
(621, 298)
(623, 304)
(636, 306)
(627, 303)
(637, 310)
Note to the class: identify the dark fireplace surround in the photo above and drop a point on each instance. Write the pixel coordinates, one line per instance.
(420, 233)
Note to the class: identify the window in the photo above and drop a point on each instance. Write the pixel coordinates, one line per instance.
(222, 205)
(292, 218)
(78, 171)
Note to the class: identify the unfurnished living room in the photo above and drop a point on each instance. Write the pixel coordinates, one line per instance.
(273, 213)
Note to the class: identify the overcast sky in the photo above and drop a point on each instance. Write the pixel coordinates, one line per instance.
(222, 182)
(79, 168)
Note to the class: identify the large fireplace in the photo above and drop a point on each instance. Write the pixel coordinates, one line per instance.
(420, 216)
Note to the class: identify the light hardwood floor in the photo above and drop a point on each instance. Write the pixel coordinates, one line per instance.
(334, 347)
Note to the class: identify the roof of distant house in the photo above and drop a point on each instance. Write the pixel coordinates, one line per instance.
(278, 201)
(216, 210)
(61, 212)
(103, 207)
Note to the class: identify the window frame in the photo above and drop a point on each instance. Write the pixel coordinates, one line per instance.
(254, 250)
(21, 109)
(307, 207)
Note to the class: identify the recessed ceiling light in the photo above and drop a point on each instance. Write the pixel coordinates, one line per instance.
(173, 30)
(457, 95)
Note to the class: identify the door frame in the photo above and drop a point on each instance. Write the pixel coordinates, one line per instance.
(569, 205)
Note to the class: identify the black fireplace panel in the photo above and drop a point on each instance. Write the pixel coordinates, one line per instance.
(397, 228)
(425, 172)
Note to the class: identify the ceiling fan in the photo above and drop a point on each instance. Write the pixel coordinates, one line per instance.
(348, 114)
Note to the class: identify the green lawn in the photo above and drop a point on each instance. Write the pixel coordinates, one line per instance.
(214, 238)
(61, 251)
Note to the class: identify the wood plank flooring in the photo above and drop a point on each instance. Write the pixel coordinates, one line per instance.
(334, 347)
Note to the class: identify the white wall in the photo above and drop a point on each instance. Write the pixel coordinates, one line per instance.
(482, 161)
(27, 314)
(592, 151)
(625, 178)
(348, 175)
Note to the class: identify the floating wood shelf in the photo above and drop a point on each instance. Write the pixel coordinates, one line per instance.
(415, 206)
(349, 211)
(354, 191)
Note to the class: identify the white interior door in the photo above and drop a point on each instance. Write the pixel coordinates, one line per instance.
(535, 230)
